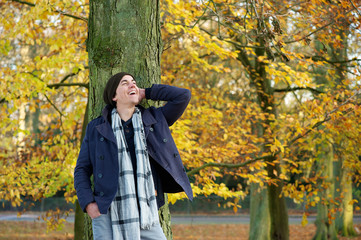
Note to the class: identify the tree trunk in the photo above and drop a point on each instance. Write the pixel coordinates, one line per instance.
(325, 225)
(344, 218)
(79, 214)
(78, 222)
(21, 135)
(278, 216)
(165, 219)
(260, 221)
(123, 36)
(277, 207)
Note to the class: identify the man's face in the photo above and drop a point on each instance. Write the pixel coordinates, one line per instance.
(127, 93)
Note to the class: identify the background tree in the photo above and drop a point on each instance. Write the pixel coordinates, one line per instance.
(44, 78)
(258, 32)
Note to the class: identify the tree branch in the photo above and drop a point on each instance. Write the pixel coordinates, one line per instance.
(229, 41)
(226, 165)
(297, 89)
(57, 85)
(317, 30)
(61, 83)
(358, 11)
(320, 58)
(57, 11)
(52, 104)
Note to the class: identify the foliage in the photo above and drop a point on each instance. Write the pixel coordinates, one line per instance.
(219, 134)
(43, 75)
(257, 92)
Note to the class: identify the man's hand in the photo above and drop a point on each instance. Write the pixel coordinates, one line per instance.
(141, 94)
(93, 210)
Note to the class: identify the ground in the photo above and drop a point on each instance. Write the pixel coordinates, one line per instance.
(36, 230)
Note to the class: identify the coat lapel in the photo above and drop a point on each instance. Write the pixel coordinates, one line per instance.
(106, 131)
(105, 128)
(148, 121)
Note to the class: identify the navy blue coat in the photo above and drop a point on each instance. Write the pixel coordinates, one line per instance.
(98, 154)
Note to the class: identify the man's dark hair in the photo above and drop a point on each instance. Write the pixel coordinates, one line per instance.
(111, 87)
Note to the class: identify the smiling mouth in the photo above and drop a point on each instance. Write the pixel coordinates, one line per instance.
(132, 93)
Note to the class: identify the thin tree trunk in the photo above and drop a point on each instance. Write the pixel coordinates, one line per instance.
(165, 219)
(78, 222)
(21, 135)
(79, 214)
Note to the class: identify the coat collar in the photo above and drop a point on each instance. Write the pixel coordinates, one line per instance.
(148, 120)
(107, 110)
(106, 130)
(147, 117)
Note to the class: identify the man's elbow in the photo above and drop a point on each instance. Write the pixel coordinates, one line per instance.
(187, 95)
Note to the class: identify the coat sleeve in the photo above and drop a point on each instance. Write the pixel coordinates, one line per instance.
(177, 100)
(83, 171)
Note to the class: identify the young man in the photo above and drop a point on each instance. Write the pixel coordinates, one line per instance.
(132, 156)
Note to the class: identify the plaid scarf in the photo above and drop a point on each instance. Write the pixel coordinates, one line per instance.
(131, 211)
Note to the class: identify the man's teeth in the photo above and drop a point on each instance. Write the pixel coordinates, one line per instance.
(132, 92)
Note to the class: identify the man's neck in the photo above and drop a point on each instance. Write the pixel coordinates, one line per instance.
(125, 113)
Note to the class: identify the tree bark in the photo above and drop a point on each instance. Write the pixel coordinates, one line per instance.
(165, 219)
(123, 36)
(278, 215)
(260, 220)
(79, 214)
(325, 225)
(277, 207)
(344, 218)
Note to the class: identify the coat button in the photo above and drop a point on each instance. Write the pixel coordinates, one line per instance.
(165, 140)
(101, 157)
(100, 175)
(101, 139)
(151, 129)
(101, 194)
(176, 155)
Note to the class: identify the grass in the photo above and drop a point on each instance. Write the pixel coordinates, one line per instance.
(37, 230)
(33, 230)
(237, 232)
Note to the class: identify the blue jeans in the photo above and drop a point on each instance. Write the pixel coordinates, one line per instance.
(102, 230)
